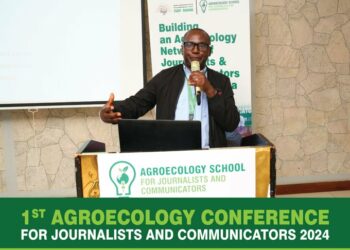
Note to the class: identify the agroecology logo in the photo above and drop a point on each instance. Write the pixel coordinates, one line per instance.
(122, 174)
(203, 4)
(163, 9)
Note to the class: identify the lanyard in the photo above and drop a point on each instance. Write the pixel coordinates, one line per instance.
(191, 101)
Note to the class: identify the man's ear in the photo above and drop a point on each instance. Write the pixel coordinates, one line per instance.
(210, 50)
(182, 50)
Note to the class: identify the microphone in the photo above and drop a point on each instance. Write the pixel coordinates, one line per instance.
(196, 67)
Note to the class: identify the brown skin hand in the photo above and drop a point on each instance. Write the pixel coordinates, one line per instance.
(198, 78)
(107, 114)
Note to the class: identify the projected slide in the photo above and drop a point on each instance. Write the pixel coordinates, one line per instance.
(69, 51)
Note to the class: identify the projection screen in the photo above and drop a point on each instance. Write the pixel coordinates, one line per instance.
(64, 53)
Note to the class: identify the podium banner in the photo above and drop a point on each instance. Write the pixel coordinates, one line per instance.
(222, 172)
(227, 172)
(228, 24)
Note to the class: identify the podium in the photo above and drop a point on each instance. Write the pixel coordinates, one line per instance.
(259, 140)
(88, 171)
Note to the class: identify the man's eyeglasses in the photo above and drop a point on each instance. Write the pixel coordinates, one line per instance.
(200, 46)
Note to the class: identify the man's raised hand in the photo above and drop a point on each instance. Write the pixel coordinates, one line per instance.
(107, 114)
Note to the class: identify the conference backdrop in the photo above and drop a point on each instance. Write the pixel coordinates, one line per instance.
(227, 22)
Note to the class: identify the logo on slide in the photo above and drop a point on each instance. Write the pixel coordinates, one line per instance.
(122, 174)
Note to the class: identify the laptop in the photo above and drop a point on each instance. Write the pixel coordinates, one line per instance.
(159, 135)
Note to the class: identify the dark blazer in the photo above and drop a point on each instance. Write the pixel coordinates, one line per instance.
(164, 90)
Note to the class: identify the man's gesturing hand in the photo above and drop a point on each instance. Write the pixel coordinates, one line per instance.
(107, 114)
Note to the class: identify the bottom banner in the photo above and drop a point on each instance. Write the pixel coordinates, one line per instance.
(174, 223)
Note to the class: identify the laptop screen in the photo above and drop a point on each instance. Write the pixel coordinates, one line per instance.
(158, 135)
